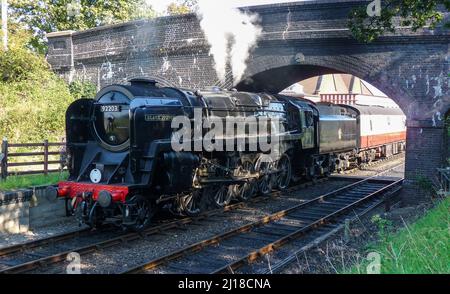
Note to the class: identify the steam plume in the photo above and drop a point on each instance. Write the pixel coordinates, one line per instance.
(232, 35)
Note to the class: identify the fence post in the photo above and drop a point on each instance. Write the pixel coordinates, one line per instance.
(4, 159)
(46, 157)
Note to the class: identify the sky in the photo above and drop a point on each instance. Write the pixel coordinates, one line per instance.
(161, 5)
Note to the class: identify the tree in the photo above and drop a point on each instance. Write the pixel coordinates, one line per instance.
(181, 7)
(177, 9)
(44, 16)
(18, 63)
(413, 13)
(189, 3)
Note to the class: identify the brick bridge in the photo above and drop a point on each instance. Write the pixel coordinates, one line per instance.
(300, 40)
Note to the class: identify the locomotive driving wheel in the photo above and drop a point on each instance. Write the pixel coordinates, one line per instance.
(264, 165)
(220, 195)
(284, 172)
(245, 191)
(138, 213)
(191, 204)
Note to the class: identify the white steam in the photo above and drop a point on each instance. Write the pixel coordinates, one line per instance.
(231, 33)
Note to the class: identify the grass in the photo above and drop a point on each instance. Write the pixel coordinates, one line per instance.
(26, 181)
(422, 247)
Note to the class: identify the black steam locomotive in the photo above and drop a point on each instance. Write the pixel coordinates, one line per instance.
(123, 166)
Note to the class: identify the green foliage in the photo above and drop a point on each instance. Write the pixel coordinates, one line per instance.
(33, 110)
(422, 247)
(33, 99)
(17, 63)
(424, 184)
(80, 89)
(181, 7)
(177, 9)
(447, 123)
(46, 16)
(18, 182)
(382, 224)
(414, 13)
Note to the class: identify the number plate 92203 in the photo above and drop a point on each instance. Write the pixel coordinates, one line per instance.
(110, 108)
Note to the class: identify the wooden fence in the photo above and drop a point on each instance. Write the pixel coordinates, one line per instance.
(45, 152)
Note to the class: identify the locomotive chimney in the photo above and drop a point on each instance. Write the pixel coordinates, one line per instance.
(143, 82)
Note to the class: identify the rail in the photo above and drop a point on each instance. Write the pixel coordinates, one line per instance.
(45, 152)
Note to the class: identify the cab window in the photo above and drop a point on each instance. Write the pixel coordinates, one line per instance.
(309, 119)
(302, 123)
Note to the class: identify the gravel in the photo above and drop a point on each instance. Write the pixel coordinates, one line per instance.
(69, 224)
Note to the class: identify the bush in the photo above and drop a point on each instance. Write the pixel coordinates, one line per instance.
(33, 100)
(19, 63)
(81, 89)
(34, 110)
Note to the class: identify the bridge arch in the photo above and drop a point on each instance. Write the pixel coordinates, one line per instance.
(276, 73)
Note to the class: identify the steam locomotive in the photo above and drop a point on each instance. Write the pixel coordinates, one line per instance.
(123, 167)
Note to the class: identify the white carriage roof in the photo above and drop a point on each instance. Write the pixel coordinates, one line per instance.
(376, 110)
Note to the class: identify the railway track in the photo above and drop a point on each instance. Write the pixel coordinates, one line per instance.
(242, 247)
(23, 258)
(366, 166)
(43, 253)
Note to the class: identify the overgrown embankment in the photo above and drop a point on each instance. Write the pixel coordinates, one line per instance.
(421, 247)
